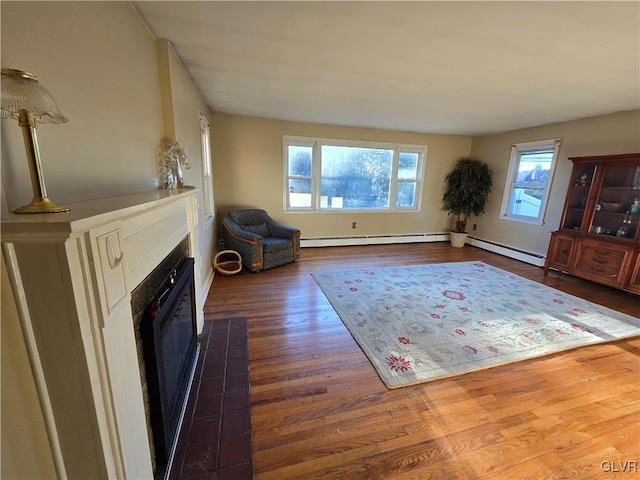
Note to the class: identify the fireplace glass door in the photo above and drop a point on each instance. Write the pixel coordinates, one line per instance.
(169, 340)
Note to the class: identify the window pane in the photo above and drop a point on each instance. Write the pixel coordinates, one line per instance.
(530, 183)
(531, 179)
(406, 194)
(526, 201)
(300, 161)
(526, 189)
(355, 177)
(534, 168)
(324, 174)
(299, 192)
(408, 166)
(207, 181)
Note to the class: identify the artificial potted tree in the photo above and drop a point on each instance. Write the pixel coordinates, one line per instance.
(467, 188)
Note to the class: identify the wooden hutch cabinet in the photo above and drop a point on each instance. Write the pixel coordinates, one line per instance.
(599, 235)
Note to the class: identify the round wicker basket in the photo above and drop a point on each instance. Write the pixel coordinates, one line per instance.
(227, 262)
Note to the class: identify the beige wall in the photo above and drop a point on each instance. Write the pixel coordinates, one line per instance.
(609, 134)
(248, 168)
(101, 64)
(181, 119)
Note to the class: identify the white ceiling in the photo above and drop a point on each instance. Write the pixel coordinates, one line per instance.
(468, 68)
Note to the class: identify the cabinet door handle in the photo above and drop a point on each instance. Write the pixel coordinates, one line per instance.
(601, 262)
(114, 254)
(606, 252)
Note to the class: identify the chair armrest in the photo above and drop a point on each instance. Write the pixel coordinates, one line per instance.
(282, 231)
(285, 231)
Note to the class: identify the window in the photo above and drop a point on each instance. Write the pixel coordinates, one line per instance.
(529, 180)
(323, 174)
(207, 180)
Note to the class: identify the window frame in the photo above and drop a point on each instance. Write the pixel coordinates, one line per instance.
(207, 174)
(517, 149)
(299, 142)
(316, 145)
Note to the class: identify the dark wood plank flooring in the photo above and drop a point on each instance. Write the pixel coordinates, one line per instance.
(319, 410)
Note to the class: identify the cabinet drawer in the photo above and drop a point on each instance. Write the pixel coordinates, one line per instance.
(604, 262)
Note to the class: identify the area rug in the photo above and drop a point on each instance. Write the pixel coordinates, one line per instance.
(425, 322)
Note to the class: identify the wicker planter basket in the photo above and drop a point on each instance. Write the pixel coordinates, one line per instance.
(227, 262)
(458, 239)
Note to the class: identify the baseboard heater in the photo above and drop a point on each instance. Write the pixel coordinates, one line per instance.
(373, 239)
(508, 251)
(505, 250)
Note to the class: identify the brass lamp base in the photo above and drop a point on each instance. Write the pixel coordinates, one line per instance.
(42, 205)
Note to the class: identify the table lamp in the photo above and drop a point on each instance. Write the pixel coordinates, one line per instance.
(25, 100)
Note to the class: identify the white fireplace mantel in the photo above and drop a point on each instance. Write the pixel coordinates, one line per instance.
(72, 275)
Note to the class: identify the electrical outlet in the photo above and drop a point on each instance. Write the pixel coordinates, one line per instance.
(475, 226)
(353, 224)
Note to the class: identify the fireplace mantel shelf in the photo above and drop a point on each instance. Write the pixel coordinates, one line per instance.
(87, 214)
(72, 275)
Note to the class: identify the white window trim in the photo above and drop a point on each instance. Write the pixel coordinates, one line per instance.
(207, 177)
(317, 143)
(516, 149)
(315, 186)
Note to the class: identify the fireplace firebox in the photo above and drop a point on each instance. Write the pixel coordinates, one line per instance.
(169, 341)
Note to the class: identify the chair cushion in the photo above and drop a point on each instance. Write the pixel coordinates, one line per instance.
(275, 244)
(260, 229)
(252, 220)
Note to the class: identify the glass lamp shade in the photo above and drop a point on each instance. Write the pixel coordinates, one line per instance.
(21, 92)
(25, 100)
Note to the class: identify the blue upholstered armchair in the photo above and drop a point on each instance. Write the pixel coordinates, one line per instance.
(261, 241)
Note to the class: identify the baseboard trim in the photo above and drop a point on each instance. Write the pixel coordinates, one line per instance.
(203, 298)
(505, 250)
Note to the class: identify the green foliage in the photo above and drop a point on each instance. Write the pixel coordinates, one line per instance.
(467, 188)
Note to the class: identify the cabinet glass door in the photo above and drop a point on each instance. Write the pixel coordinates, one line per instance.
(578, 196)
(617, 210)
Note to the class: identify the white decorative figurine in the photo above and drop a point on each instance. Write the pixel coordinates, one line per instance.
(174, 158)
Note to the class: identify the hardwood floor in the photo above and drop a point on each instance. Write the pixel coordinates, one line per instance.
(319, 410)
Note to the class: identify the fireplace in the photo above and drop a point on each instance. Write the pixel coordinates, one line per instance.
(72, 279)
(166, 337)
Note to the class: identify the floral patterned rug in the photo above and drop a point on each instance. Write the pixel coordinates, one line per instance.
(425, 322)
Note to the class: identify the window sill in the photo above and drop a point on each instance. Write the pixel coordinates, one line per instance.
(521, 220)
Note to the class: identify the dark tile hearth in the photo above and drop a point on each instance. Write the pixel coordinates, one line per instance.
(215, 439)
